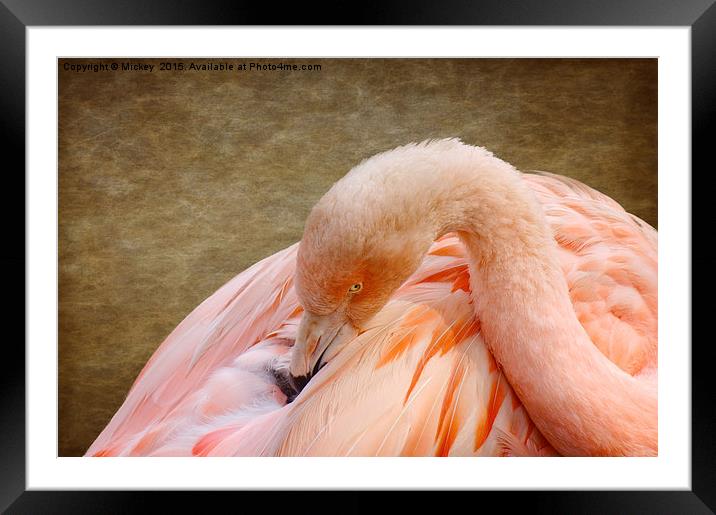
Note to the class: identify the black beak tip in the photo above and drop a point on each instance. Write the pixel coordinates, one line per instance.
(290, 386)
(298, 383)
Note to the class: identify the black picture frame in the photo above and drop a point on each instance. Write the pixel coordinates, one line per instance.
(17, 15)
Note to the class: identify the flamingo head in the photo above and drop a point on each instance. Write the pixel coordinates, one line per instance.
(357, 249)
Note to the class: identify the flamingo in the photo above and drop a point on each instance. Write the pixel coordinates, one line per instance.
(439, 303)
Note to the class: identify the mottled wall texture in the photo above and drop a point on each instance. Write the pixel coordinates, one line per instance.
(173, 181)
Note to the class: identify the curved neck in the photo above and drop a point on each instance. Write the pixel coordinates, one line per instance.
(582, 402)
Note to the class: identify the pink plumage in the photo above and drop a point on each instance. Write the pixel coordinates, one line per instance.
(472, 355)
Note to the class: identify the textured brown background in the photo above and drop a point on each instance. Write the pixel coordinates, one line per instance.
(170, 183)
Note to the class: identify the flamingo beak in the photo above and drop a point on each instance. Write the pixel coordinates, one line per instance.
(318, 340)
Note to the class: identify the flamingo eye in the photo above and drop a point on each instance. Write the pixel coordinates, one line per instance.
(355, 288)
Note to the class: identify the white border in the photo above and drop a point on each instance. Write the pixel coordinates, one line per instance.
(670, 470)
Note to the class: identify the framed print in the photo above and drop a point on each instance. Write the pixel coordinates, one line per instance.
(163, 161)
